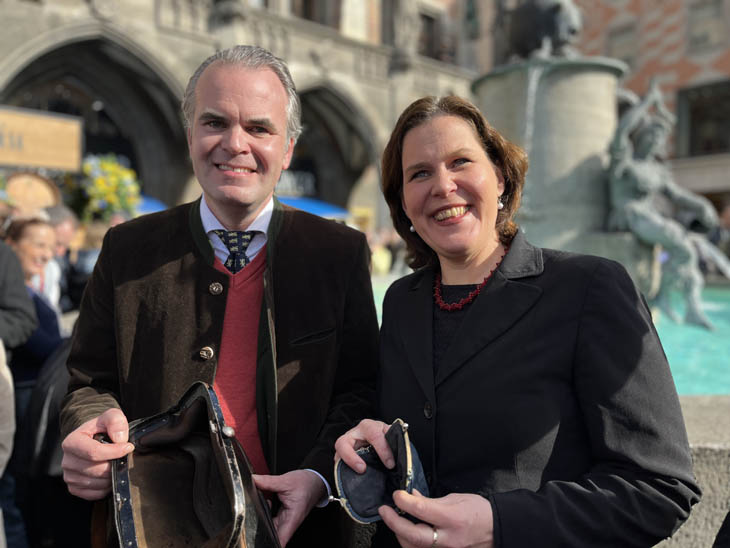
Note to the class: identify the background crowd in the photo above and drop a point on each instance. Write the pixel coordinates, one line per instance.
(44, 264)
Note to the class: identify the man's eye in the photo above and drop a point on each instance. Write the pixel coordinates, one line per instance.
(461, 161)
(259, 129)
(215, 124)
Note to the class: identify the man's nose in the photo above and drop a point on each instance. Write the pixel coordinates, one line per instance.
(235, 140)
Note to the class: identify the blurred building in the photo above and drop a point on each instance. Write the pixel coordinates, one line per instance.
(685, 44)
(122, 66)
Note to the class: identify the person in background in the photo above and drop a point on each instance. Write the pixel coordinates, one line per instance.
(53, 282)
(33, 241)
(7, 423)
(17, 313)
(533, 381)
(271, 306)
(17, 322)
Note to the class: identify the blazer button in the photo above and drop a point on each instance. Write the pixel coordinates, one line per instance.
(428, 410)
(206, 353)
(216, 288)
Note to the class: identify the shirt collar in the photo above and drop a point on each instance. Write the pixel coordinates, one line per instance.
(260, 225)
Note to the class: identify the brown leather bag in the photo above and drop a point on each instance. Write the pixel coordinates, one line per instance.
(188, 482)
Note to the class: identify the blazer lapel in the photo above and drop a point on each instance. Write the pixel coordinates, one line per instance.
(502, 302)
(416, 327)
(493, 312)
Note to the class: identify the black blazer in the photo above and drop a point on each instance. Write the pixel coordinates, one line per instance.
(554, 400)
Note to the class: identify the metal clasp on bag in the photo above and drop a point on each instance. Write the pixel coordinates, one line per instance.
(227, 431)
(341, 501)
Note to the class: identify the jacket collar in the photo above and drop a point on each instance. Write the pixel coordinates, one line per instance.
(502, 302)
(203, 244)
(522, 260)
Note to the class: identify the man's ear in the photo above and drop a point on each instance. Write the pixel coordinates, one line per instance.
(288, 155)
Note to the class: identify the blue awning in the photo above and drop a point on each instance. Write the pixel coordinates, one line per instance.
(314, 206)
(148, 204)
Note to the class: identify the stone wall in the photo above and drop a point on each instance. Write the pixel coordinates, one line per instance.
(708, 427)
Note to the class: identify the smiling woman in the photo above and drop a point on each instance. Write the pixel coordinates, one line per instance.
(533, 382)
(33, 241)
(451, 193)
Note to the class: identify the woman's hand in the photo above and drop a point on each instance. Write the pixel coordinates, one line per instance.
(459, 520)
(368, 432)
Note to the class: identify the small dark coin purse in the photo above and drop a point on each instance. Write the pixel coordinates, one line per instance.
(188, 482)
(362, 494)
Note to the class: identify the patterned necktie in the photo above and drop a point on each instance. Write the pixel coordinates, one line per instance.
(237, 242)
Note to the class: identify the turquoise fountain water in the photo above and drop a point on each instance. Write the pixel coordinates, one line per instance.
(699, 359)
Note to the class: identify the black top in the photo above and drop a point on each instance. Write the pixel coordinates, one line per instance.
(45, 339)
(446, 323)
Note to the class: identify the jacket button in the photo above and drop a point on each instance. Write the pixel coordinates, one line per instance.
(206, 353)
(216, 288)
(428, 410)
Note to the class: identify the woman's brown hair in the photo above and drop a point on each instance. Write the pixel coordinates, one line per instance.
(510, 159)
(18, 227)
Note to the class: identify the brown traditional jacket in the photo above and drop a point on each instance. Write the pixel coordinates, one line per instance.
(152, 317)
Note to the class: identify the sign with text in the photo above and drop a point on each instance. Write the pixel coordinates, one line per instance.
(32, 138)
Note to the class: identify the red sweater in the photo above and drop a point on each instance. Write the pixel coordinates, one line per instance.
(235, 378)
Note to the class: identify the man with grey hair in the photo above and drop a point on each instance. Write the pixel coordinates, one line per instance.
(270, 305)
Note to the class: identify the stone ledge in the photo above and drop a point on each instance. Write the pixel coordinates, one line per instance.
(707, 419)
(708, 428)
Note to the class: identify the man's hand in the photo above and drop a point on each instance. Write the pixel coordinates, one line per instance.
(299, 491)
(459, 519)
(85, 463)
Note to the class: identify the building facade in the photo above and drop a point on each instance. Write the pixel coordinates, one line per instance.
(685, 45)
(122, 66)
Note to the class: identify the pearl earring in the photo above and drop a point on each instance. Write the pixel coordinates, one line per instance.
(412, 229)
(500, 204)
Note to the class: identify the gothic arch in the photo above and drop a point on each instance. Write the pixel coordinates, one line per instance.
(337, 145)
(88, 30)
(128, 101)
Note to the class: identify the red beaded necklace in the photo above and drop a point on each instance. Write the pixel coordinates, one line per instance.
(450, 307)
